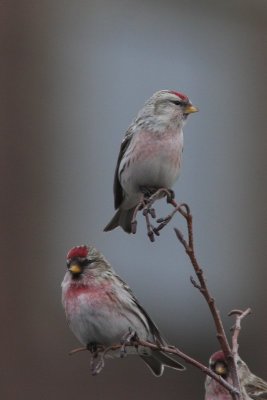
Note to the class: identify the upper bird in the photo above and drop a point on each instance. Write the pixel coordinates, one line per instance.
(101, 308)
(150, 153)
(252, 386)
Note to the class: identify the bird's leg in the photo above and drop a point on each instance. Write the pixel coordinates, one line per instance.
(127, 339)
(170, 195)
(92, 347)
(146, 196)
(147, 191)
(149, 198)
(98, 356)
(157, 194)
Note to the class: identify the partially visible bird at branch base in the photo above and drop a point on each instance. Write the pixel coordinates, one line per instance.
(252, 387)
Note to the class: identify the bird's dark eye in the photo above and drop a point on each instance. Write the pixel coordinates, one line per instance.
(177, 102)
(82, 262)
(85, 262)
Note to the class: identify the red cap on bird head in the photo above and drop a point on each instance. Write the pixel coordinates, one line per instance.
(78, 252)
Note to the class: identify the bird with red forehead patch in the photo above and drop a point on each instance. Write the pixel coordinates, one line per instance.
(101, 309)
(252, 387)
(150, 153)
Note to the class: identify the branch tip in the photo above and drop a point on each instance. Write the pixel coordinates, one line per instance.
(78, 350)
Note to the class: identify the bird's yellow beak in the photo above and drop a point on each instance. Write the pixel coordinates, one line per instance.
(189, 109)
(220, 369)
(75, 269)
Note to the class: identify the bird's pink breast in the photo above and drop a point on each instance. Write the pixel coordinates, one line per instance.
(153, 161)
(214, 391)
(75, 290)
(78, 295)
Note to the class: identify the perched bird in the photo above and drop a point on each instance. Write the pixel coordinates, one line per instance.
(150, 153)
(101, 308)
(252, 386)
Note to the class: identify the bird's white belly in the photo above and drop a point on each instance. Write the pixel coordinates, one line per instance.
(100, 323)
(155, 172)
(157, 167)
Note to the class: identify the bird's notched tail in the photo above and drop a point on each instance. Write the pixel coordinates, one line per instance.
(157, 361)
(122, 218)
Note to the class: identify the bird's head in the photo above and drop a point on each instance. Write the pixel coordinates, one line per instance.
(218, 364)
(170, 105)
(82, 259)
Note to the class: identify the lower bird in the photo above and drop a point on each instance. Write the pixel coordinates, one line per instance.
(252, 387)
(101, 309)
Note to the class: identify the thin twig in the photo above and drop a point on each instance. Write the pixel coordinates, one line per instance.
(239, 315)
(188, 244)
(78, 350)
(146, 204)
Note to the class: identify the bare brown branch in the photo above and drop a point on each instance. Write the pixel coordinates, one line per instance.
(98, 366)
(188, 244)
(239, 315)
(146, 204)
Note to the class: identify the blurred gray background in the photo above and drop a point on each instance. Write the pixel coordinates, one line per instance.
(73, 75)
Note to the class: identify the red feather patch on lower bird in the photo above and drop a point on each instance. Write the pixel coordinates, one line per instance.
(218, 356)
(78, 251)
(93, 293)
(75, 290)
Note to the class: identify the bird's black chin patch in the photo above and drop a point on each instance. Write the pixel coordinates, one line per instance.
(76, 277)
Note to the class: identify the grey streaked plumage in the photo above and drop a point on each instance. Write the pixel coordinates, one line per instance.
(150, 153)
(101, 308)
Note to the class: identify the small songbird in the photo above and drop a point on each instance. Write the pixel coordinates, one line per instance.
(252, 386)
(150, 153)
(101, 309)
